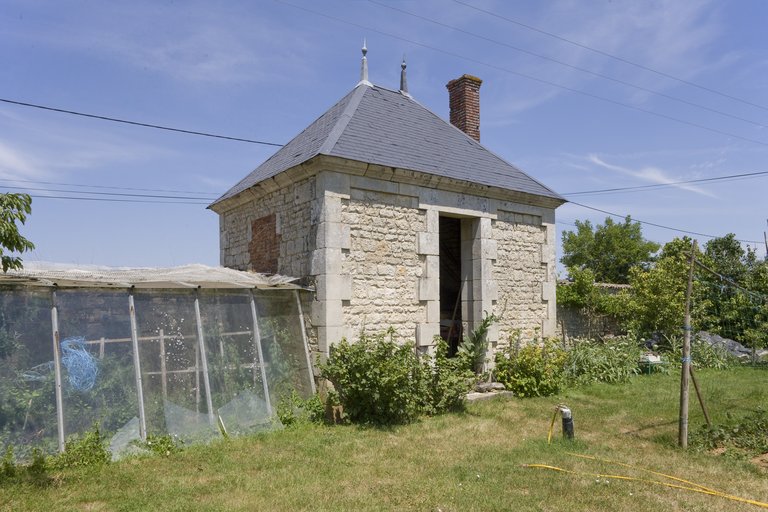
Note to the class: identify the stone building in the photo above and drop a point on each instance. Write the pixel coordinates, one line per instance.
(398, 218)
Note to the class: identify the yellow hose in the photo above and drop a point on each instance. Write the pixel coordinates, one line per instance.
(698, 488)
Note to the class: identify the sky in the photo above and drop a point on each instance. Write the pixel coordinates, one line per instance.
(583, 95)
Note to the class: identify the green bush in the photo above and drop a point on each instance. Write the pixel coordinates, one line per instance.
(532, 370)
(446, 381)
(293, 410)
(378, 381)
(381, 382)
(743, 437)
(703, 355)
(163, 445)
(611, 361)
(88, 449)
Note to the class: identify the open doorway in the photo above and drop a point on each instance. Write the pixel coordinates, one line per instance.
(450, 283)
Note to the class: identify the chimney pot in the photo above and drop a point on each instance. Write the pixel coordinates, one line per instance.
(464, 102)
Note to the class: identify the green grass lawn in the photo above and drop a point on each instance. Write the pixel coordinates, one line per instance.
(457, 462)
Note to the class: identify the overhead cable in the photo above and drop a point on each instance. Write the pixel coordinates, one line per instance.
(611, 56)
(37, 182)
(137, 123)
(612, 214)
(571, 66)
(670, 184)
(525, 75)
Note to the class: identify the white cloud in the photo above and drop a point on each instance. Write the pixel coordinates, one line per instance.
(15, 164)
(650, 174)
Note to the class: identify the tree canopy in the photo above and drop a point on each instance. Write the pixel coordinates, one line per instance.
(609, 250)
(13, 208)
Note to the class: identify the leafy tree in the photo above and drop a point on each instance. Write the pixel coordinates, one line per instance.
(13, 208)
(609, 250)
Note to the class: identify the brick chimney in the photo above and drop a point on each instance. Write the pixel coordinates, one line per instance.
(464, 101)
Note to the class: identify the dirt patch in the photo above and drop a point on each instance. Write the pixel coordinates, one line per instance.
(761, 461)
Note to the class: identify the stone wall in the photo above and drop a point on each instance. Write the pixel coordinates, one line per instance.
(521, 273)
(383, 263)
(292, 210)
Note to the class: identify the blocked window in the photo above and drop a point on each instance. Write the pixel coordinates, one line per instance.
(264, 247)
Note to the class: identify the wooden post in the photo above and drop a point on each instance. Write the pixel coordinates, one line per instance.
(701, 399)
(686, 369)
(101, 348)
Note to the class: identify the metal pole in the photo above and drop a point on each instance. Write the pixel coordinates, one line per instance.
(137, 367)
(57, 371)
(204, 360)
(260, 352)
(163, 366)
(686, 369)
(306, 342)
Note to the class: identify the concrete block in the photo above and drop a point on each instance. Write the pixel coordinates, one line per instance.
(433, 311)
(333, 182)
(325, 261)
(425, 334)
(326, 312)
(433, 221)
(490, 249)
(334, 287)
(493, 333)
(366, 183)
(548, 291)
(333, 235)
(428, 243)
(429, 288)
(330, 335)
(432, 266)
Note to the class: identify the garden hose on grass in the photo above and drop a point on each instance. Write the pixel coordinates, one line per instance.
(690, 486)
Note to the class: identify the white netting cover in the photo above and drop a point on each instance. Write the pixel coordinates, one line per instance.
(187, 276)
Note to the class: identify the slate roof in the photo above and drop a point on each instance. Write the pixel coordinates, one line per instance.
(376, 125)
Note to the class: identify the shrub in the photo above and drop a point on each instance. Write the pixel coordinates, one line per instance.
(611, 361)
(164, 445)
(703, 354)
(446, 381)
(86, 450)
(378, 381)
(293, 410)
(743, 437)
(532, 370)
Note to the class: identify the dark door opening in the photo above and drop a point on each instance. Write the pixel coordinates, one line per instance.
(450, 283)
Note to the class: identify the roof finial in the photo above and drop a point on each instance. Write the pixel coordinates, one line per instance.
(364, 67)
(403, 79)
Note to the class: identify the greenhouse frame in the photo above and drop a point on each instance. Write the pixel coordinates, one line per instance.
(193, 352)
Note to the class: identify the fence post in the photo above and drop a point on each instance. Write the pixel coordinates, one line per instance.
(57, 370)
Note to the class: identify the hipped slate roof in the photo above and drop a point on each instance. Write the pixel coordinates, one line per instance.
(376, 125)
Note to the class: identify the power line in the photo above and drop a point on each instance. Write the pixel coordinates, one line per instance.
(566, 64)
(611, 56)
(671, 184)
(656, 225)
(112, 200)
(123, 194)
(524, 75)
(13, 180)
(136, 123)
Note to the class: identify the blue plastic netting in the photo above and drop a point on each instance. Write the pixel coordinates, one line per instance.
(82, 367)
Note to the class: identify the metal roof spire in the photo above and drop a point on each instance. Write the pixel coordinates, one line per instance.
(403, 79)
(364, 67)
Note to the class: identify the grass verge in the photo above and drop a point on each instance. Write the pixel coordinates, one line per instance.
(469, 461)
